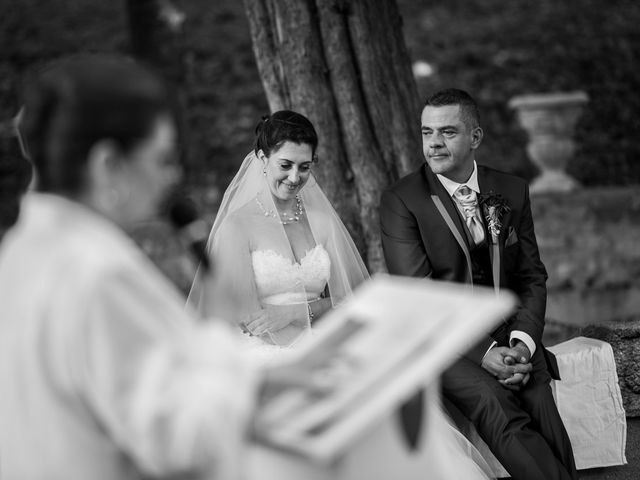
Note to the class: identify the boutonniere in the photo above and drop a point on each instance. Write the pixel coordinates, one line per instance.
(494, 206)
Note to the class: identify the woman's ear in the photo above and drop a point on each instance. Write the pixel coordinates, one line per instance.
(262, 157)
(102, 162)
(104, 175)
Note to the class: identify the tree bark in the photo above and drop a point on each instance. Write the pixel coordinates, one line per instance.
(344, 64)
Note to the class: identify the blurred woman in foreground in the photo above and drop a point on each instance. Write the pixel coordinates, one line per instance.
(102, 373)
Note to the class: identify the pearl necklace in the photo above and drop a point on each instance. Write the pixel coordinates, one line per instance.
(283, 217)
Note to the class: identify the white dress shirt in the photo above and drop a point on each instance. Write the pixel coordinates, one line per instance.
(103, 373)
(450, 186)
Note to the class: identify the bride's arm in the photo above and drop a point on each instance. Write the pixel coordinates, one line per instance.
(271, 318)
(234, 292)
(318, 307)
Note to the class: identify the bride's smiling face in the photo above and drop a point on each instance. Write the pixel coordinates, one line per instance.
(287, 169)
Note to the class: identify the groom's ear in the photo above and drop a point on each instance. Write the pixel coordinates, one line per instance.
(476, 137)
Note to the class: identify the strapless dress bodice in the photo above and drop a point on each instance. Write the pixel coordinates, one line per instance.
(282, 281)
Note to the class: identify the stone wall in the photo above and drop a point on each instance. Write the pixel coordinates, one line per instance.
(590, 243)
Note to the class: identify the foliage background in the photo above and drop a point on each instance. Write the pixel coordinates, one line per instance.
(494, 48)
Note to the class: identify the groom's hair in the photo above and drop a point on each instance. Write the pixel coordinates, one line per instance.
(284, 126)
(453, 96)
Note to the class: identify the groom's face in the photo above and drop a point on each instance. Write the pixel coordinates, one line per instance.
(448, 142)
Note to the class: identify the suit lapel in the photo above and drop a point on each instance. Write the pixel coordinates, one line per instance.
(449, 213)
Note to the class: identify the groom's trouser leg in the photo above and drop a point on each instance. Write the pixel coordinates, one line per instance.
(537, 400)
(501, 421)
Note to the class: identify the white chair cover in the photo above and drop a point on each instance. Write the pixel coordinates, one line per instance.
(590, 402)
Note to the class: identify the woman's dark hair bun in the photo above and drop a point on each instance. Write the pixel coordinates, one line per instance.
(284, 126)
(264, 119)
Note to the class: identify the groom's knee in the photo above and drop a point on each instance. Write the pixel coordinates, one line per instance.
(495, 400)
(537, 397)
(483, 399)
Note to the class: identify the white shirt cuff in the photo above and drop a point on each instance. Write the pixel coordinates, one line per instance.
(493, 344)
(523, 337)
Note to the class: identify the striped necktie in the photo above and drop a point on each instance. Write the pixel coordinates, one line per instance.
(468, 201)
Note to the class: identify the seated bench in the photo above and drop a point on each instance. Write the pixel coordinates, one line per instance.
(590, 404)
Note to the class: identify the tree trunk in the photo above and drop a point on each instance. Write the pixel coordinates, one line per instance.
(344, 64)
(156, 32)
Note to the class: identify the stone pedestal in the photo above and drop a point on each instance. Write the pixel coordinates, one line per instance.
(549, 119)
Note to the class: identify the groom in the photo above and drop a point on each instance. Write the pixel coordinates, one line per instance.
(457, 221)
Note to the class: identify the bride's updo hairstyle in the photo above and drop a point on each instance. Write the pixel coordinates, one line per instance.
(283, 126)
(80, 101)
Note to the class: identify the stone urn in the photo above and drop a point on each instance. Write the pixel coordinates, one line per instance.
(550, 119)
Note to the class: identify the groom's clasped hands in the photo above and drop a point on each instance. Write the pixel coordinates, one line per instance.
(510, 365)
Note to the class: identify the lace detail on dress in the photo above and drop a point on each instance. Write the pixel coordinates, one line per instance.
(283, 281)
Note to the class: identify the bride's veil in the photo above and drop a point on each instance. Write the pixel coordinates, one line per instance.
(232, 292)
(347, 268)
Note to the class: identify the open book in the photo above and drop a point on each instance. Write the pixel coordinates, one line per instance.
(395, 335)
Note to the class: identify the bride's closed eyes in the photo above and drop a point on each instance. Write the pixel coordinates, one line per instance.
(287, 165)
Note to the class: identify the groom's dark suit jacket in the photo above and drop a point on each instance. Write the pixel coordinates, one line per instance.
(423, 235)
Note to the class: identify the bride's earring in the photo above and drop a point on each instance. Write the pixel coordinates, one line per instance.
(264, 172)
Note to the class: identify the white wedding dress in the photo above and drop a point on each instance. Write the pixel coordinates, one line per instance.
(278, 280)
(282, 281)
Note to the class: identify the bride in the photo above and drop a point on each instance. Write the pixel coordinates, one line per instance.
(283, 258)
